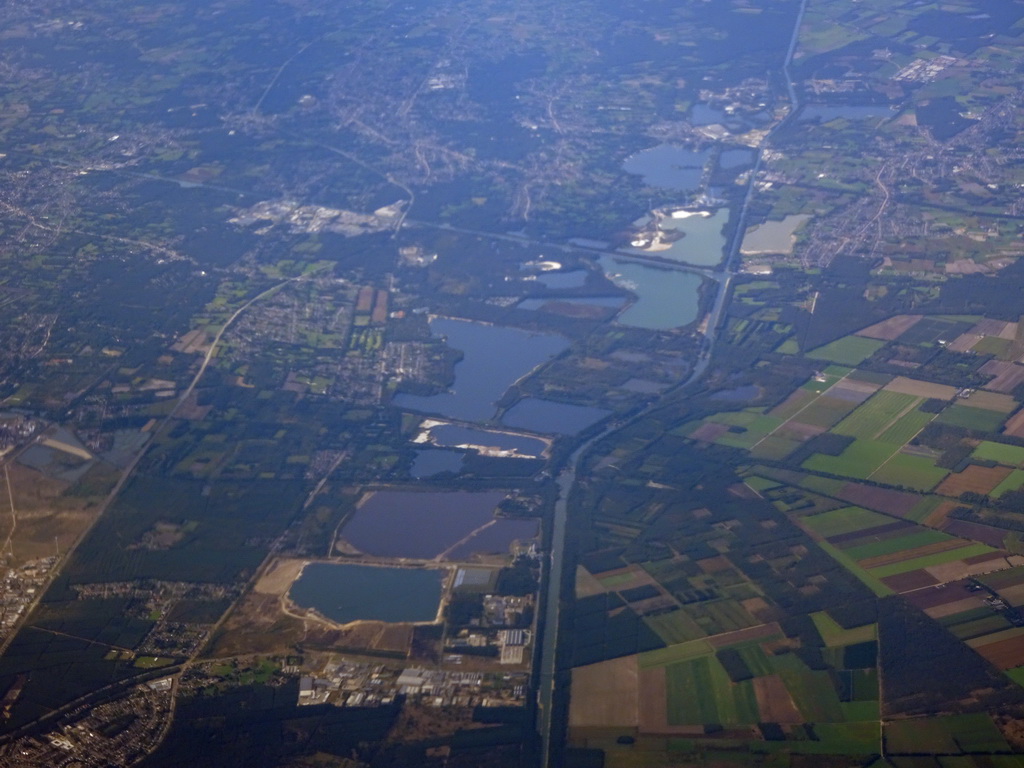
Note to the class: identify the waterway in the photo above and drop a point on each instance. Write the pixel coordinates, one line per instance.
(345, 593)
(482, 376)
(666, 298)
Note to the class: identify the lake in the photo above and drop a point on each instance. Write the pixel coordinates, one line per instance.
(434, 461)
(418, 525)
(668, 166)
(496, 539)
(495, 357)
(546, 416)
(666, 298)
(774, 236)
(703, 243)
(345, 593)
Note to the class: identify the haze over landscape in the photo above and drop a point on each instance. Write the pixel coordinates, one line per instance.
(478, 383)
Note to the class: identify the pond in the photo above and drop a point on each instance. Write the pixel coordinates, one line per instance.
(666, 298)
(495, 357)
(418, 525)
(345, 593)
(668, 166)
(546, 416)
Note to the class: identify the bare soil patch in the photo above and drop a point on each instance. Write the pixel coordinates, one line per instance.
(744, 635)
(1007, 375)
(1015, 425)
(975, 478)
(920, 388)
(606, 694)
(890, 329)
(904, 582)
(960, 569)
(774, 701)
(879, 499)
(910, 554)
(1005, 654)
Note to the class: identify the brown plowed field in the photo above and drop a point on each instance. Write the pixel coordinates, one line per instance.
(890, 329)
(744, 635)
(774, 701)
(920, 388)
(879, 499)
(991, 401)
(1007, 375)
(1006, 654)
(910, 554)
(904, 582)
(958, 569)
(606, 694)
(975, 478)
(1015, 425)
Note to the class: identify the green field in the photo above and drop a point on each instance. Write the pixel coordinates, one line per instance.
(875, 416)
(675, 627)
(700, 691)
(693, 649)
(813, 694)
(952, 734)
(965, 416)
(919, 538)
(859, 460)
(906, 427)
(825, 412)
(849, 350)
(1012, 482)
(868, 578)
(916, 472)
(846, 520)
(929, 560)
(774, 448)
(1008, 455)
(836, 637)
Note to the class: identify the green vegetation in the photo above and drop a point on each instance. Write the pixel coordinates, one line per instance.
(850, 350)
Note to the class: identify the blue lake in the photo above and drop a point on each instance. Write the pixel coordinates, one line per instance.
(668, 166)
(495, 357)
(418, 525)
(345, 593)
(666, 298)
(434, 461)
(546, 416)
